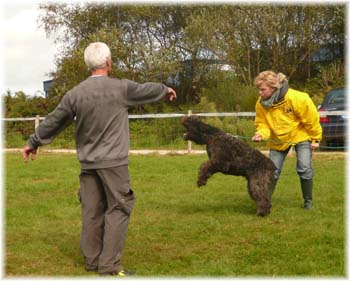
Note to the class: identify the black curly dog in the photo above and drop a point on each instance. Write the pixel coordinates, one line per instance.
(231, 156)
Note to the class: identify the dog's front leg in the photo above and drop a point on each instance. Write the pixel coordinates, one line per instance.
(206, 170)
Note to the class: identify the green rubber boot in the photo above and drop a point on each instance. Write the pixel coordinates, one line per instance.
(306, 187)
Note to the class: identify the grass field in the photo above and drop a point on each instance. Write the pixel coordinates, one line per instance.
(177, 229)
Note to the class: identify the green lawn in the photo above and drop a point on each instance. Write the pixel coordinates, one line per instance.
(177, 229)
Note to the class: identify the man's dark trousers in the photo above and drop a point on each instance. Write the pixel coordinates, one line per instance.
(106, 203)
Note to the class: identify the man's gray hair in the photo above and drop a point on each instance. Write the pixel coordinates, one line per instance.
(96, 54)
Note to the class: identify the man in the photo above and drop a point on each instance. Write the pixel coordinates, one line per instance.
(99, 106)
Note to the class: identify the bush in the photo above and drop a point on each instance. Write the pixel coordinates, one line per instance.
(231, 96)
(329, 77)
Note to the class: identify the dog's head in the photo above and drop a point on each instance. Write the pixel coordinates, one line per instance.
(197, 131)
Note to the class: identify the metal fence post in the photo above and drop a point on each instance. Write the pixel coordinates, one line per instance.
(189, 143)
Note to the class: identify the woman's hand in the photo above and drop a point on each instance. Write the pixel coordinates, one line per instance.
(315, 145)
(257, 138)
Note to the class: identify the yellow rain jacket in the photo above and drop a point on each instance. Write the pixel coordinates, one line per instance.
(294, 119)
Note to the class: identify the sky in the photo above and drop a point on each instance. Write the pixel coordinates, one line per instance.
(27, 55)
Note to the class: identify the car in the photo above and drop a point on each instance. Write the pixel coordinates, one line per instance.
(333, 124)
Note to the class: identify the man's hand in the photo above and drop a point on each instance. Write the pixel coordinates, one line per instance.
(172, 94)
(257, 138)
(27, 151)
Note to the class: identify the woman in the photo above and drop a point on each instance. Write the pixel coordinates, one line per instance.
(285, 118)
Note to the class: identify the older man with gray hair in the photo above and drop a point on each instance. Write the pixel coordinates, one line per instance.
(99, 105)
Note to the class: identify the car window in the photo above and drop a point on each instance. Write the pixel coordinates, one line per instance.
(337, 97)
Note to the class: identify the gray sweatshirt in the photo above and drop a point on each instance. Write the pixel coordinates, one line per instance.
(99, 106)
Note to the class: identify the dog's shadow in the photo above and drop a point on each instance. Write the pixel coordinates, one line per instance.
(235, 206)
(222, 194)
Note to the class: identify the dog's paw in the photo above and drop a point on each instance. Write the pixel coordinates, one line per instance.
(201, 183)
(262, 213)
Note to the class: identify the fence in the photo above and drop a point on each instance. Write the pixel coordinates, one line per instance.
(165, 131)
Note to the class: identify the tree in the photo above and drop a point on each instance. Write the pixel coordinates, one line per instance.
(283, 38)
(153, 43)
(142, 40)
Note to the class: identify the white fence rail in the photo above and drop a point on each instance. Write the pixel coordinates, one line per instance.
(175, 115)
(168, 129)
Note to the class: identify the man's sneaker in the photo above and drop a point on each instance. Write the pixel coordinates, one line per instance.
(125, 272)
(121, 273)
